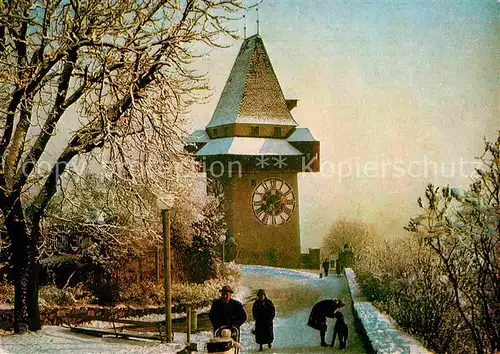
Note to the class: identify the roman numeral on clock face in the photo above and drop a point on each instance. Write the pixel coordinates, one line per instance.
(288, 211)
(273, 202)
(259, 213)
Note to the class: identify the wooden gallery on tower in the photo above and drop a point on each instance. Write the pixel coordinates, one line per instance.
(251, 151)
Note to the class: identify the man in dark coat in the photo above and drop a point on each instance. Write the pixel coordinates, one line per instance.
(338, 267)
(326, 266)
(226, 311)
(346, 257)
(319, 313)
(263, 312)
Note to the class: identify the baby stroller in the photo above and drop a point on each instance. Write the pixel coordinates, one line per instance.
(225, 341)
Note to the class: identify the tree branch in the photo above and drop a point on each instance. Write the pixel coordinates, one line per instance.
(82, 142)
(17, 97)
(145, 79)
(50, 124)
(20, 42)
(16, 148)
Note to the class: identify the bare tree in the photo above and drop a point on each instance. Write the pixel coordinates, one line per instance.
(118, 74)
(358, 235)
(464, 232)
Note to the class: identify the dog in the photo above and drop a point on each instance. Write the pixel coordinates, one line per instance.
(341, 330)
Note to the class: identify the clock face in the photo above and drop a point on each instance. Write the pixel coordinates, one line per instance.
(273, 202)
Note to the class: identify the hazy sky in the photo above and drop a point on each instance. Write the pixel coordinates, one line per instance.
(399, 93)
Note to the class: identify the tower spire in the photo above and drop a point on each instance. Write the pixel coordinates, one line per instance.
(244, 27)
(252, 94)
(257, 20)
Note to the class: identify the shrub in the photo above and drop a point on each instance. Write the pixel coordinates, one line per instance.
(462, 230)
(183, 294)
(51, 296)
(198, 295)
(376, 287)
(408, 285)
(60, 270)
(6, 293)
(201, 255)
(229, 271)
(107, 294)
(143, 293)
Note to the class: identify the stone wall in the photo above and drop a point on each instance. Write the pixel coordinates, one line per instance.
(379, 331)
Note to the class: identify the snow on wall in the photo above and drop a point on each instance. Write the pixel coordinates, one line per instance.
(380, 330)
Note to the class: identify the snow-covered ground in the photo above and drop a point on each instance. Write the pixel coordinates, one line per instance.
(293, 292)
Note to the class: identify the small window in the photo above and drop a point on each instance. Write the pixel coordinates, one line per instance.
(226, 131)
(214, 132)
(254, 131)
(277, 131)
(254, 182)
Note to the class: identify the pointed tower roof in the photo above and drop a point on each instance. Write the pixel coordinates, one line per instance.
(252, 94)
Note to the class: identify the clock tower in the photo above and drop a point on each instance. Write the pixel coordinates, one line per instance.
(251, 151)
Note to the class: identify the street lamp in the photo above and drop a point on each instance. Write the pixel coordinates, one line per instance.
(165, 202)
(222, 239)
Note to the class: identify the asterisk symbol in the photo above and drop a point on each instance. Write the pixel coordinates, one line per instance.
(280, 161)
(262, 161)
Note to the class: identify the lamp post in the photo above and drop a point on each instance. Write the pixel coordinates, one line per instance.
(222, 239)
(165, 203)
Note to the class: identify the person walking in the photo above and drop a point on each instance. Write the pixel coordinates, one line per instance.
(346, 257)
(338, 267)
(320, 311)
(326, 266)
(263, 313)
(227, 312)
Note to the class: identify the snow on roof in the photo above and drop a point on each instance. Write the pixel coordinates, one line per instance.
(301, 134)
(252, 94)
(198, 136)
(248, 146)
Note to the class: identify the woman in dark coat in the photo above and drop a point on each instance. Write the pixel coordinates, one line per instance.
(263, 312)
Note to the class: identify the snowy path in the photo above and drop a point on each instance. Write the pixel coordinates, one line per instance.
(293, 293)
